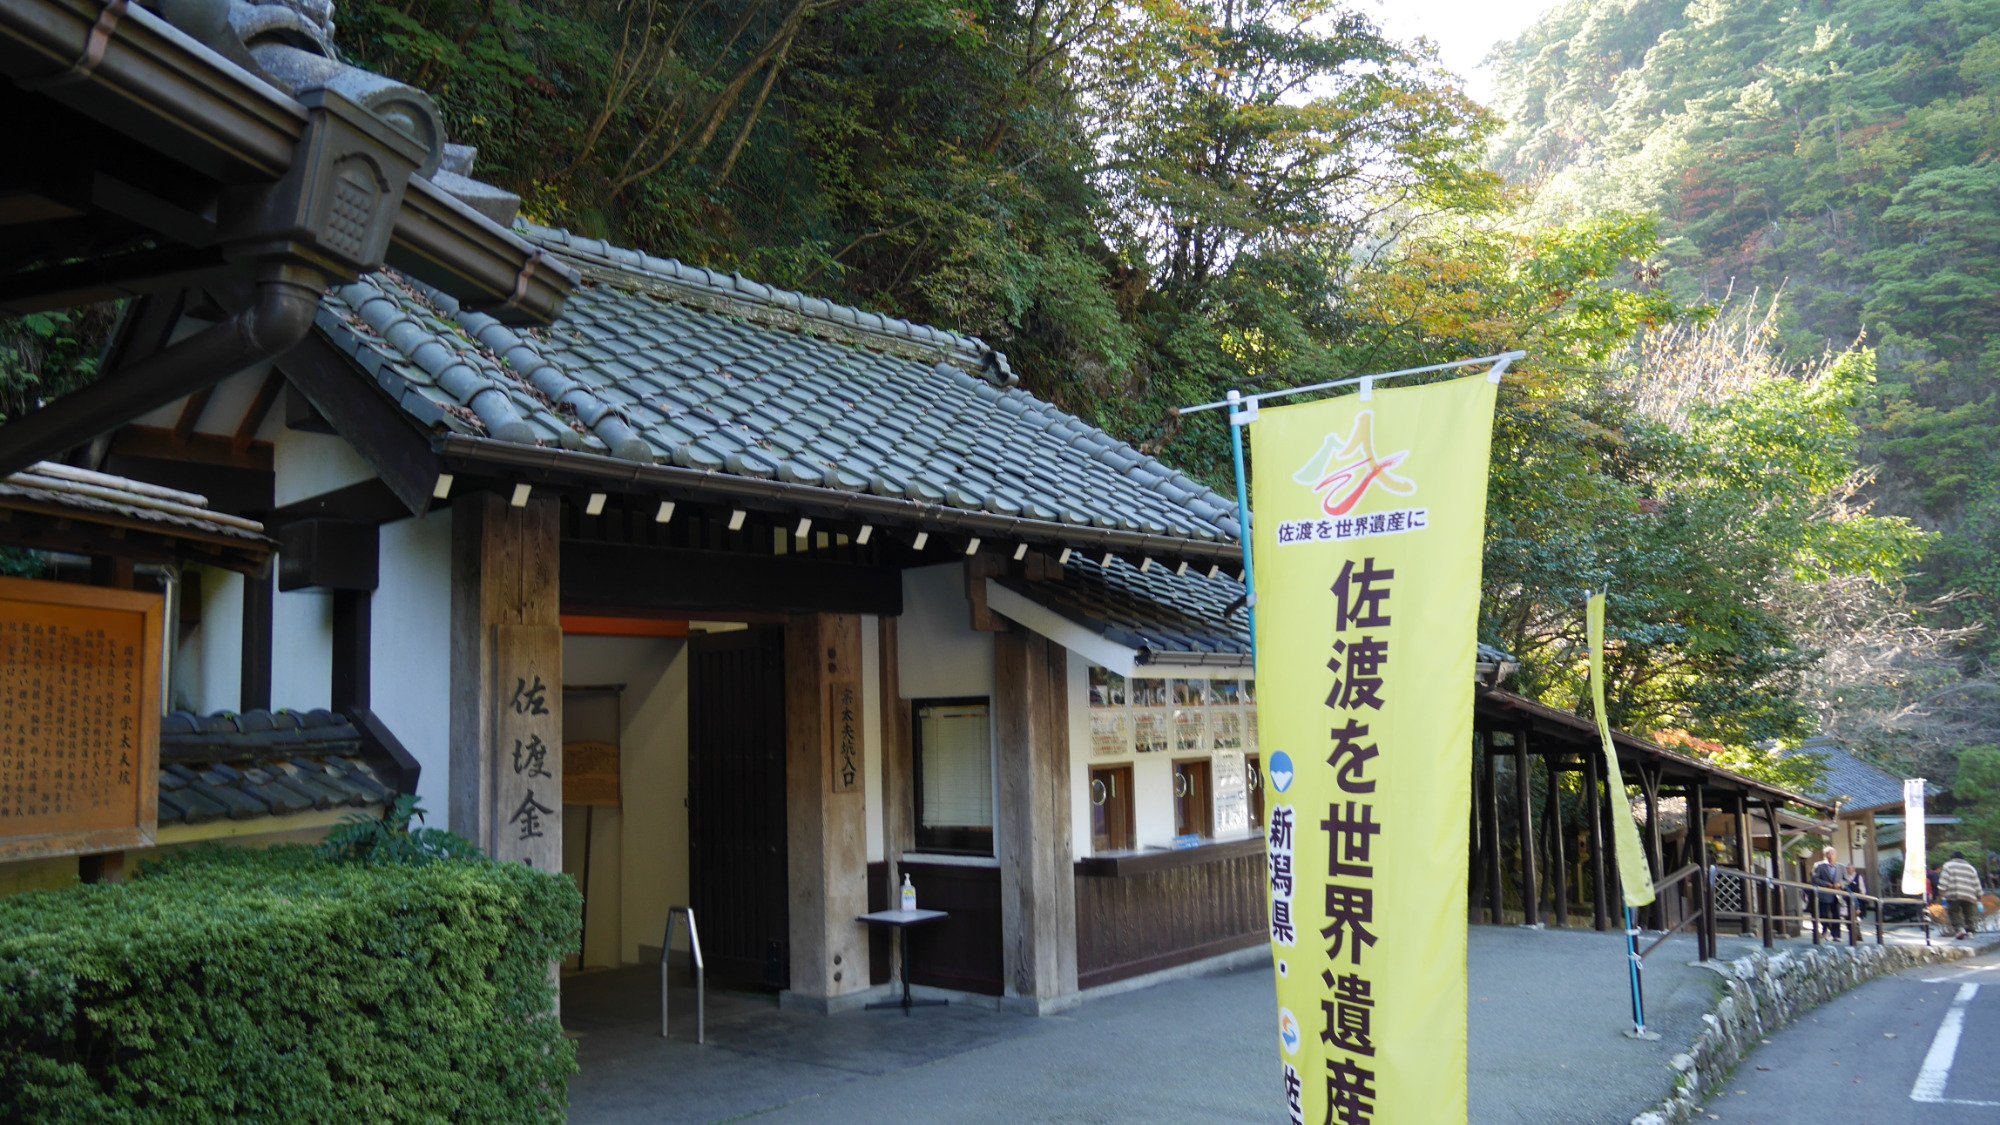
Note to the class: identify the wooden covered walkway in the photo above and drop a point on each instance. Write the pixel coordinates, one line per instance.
(1540, 821)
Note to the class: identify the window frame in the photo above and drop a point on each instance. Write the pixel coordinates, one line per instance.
(1120, 812)
(964, 840)
(1194, 810)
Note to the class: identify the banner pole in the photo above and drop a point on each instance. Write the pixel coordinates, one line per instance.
(1638, 976)
(1239, 418)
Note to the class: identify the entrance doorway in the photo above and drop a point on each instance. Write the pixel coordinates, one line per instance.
(739, 879)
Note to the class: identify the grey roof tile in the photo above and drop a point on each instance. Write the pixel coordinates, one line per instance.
(264, 763)
(656, 361)
(1156, 612)
(1849, 779)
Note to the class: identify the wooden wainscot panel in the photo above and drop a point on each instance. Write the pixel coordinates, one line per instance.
(79, 718)
(963, 950)
(1167, 909)
(843, 734)
(590, 774)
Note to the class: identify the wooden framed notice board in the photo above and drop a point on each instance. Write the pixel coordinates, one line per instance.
(79, 718)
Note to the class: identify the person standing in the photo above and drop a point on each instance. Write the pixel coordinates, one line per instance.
(1857, 909)
(1958, 885)
(1827, 876)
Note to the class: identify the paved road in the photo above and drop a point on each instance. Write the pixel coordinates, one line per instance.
(1920, 1046)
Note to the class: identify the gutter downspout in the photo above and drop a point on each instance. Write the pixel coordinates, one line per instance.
(279, 315)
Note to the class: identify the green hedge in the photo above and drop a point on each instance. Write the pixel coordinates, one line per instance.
(231, 984)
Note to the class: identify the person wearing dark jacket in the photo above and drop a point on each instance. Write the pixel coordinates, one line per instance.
(1826, 877)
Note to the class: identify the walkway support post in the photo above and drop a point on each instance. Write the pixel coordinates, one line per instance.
(1558, 861)
(1531, 893)
(1496, 893)
(1593, 804)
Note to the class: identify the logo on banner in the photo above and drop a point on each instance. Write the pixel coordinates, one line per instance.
(1288, 1030)
(1344, 472)
(1281, 772)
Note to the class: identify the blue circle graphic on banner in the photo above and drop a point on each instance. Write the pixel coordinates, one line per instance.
(1281, 771)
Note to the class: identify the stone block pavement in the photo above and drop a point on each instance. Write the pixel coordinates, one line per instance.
(1548, 1012)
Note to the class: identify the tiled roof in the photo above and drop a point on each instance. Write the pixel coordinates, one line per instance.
(660, 363)
(1150, 610)
(263, 763)
(1855, 783)
(1157, 612)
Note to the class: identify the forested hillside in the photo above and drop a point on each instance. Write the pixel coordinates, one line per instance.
(1842, 149)
(1146, 204)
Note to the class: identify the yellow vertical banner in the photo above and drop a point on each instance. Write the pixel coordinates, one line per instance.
(1369, 518)
(1635, 878)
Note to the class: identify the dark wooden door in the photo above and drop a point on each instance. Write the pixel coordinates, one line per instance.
(736, 814)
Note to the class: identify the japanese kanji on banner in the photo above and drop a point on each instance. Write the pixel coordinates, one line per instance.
(1369, 518)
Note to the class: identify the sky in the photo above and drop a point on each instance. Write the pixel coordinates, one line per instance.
(1464, 30)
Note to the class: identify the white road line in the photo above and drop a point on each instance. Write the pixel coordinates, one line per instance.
(1960, 974)
(1929, 1086)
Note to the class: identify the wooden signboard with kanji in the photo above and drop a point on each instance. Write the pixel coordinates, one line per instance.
(590, 774)
(79, 718)
(843, 734)
(527, 735)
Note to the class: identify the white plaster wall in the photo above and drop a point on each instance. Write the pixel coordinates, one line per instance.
(1079, 757)
(652, 849)
(1152, 774)
(227, 402)
(939, 655)
(872, 811)
(213, 677)
(410, 651)
(302, 650)
(308, 464)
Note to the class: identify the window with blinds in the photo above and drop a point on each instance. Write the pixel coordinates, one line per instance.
(954, 782)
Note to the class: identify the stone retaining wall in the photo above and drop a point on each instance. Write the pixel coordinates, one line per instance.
(1764, 992)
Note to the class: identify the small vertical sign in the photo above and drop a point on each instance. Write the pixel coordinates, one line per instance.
(1914, 848)
(527, 741)
(843, 729)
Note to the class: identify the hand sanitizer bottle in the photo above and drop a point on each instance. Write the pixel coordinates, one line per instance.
(909, 893)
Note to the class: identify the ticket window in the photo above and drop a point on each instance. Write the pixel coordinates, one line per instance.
(1194, 810)
(1111, 819)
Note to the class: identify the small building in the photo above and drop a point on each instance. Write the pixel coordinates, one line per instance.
(1865, 795)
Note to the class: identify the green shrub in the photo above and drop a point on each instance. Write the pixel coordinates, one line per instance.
(279, 985)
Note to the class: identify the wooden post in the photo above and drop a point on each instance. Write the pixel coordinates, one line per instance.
(351, 649)
(826, 835)
(1531, 893)
(1037, 873)
(1594, 808)
(1773, 894)
(506, 679)
(1490, 798)
(1649, 786)
(1697, 836)
(1743, 848)
(1558, 861)
(898, 771)
(259, 607)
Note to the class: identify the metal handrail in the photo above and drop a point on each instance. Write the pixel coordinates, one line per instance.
(1695, 916)
(1852, 898)
(700, 983)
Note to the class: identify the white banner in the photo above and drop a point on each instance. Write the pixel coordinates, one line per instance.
(1913, 838)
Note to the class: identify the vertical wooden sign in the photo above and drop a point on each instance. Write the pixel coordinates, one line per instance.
(79, 718)
(843, 734)
(527, 743)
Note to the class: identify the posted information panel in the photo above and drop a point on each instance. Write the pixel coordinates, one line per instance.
(79, 718)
